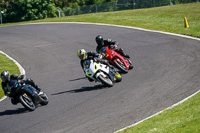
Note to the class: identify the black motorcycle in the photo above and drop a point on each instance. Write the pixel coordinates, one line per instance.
(27, 95)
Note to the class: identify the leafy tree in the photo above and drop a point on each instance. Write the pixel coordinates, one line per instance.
(22, 10)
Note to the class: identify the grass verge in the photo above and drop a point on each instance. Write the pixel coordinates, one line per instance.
(167, 18)
(183, 118)
(9, 65)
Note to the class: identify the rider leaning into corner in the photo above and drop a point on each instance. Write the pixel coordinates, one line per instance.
(111, 45)
(6, 78)
(83, 55)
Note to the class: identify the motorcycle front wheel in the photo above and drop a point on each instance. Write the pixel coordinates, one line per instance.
(44, 99)
(105, 80)
(130, 64)
(121, 67)
(27, 102)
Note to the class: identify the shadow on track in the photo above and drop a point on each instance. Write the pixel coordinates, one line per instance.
(14, 112)
(82, 89)
(78, 79)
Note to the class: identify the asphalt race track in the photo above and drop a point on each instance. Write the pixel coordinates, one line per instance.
(166, 70)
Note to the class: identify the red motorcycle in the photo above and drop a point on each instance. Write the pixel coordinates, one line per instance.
(117, 60)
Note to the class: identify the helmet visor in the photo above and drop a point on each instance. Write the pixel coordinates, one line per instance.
(82, 56)
(99, 42)
(3, 78)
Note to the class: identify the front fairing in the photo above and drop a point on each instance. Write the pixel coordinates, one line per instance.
(31, 91)
(91, 68)
(112, 56)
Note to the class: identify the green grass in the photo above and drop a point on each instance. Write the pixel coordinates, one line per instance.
(9, 65)
(182, 118)
(167, 18)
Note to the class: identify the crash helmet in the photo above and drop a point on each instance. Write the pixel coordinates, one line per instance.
(5, 76)
(82, 54)
(99, 40)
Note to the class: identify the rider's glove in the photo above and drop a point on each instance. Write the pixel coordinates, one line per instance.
(109, 40)
(115, 46)
(100, 56)
(22, 77)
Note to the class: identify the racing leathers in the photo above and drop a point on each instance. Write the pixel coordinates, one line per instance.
(111, 45)
(21, 79)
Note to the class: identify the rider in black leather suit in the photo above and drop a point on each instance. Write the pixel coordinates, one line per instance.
(6, 78)
(111, 45)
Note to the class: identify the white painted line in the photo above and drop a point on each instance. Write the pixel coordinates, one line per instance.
(4, 97)
(21, 69)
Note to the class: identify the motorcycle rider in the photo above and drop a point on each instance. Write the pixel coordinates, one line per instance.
(83, 55)
(6, 78)
(111, 45)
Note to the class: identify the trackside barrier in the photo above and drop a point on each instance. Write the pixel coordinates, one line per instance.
(120, 5)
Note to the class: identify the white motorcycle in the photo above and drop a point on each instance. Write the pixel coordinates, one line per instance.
(101, 73)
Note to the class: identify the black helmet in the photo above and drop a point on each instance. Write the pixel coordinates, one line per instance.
(99, 40)
(5, 76)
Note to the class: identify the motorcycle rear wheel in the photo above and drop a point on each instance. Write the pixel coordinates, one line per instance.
(27, 102)
(121, 67)
(106, 81)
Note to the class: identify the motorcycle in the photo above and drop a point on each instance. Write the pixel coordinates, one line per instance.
(27, 95)
(101, 73)
(117, 60)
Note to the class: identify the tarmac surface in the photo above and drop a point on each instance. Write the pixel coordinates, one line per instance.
(166, 70)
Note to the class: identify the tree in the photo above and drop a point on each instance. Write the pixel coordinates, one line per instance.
(23, 10)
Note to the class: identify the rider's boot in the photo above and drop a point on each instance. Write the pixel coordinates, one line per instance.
(121, 51)
(14, 101)
(32, 83)
(126, 55)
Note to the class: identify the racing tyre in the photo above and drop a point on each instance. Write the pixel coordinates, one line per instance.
(121, 67)
(105, 80)
(130, 64)
(27, 102)
(44, 99)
